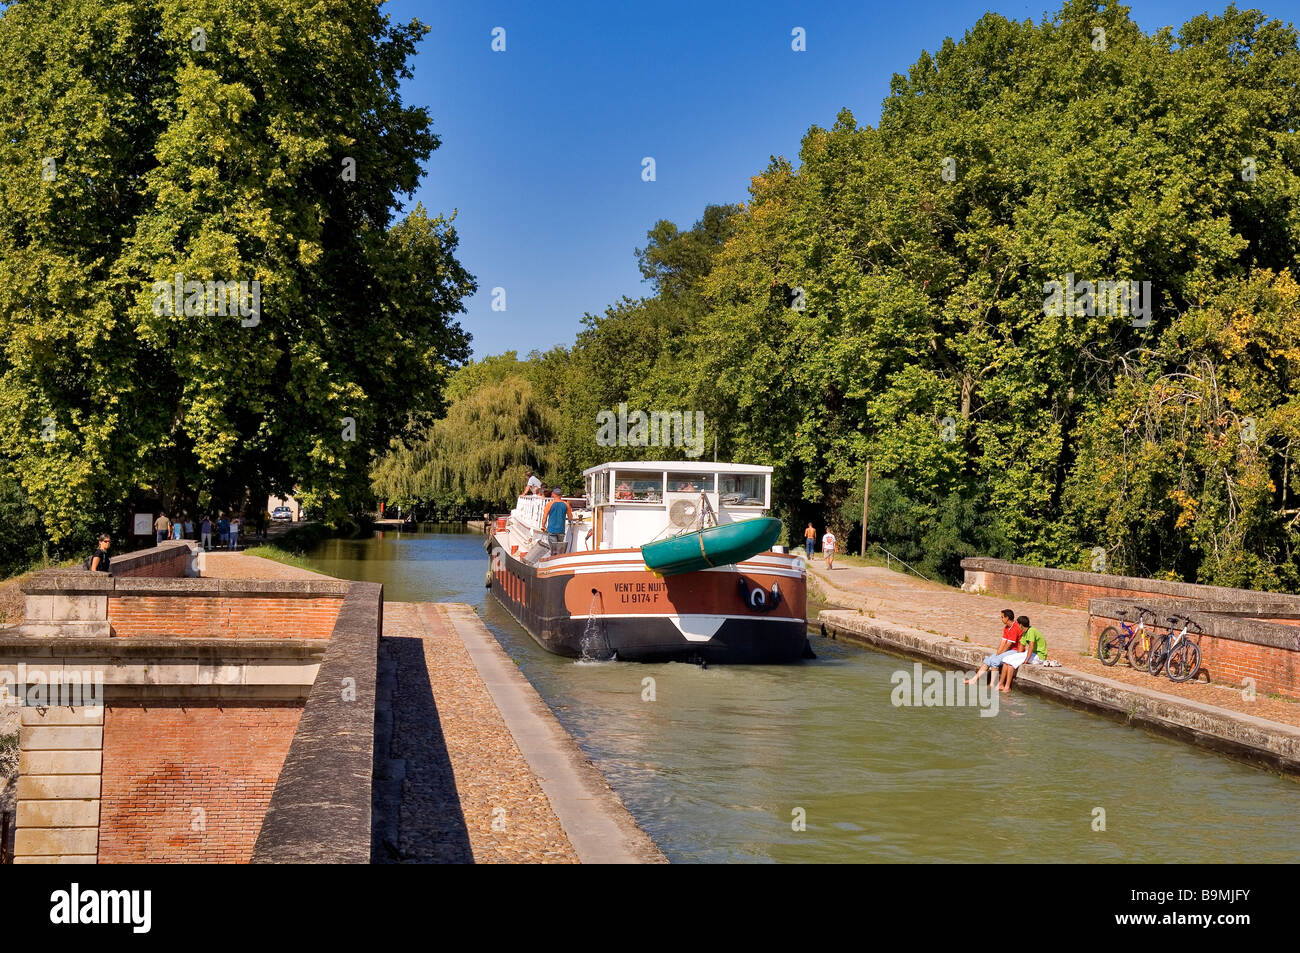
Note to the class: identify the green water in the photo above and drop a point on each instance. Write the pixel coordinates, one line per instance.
(720, 764)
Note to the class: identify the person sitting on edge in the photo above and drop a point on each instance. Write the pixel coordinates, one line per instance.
(1011, 631)
(534, 485)
(1034, 648)
(556, 520)
(810, 539)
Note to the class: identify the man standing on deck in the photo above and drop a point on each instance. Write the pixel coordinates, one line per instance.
(556, 520)
(534, 485)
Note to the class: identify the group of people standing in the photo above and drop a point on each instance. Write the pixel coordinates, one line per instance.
(227, 529)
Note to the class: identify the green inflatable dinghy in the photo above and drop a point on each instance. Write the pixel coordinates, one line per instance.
(719, 545)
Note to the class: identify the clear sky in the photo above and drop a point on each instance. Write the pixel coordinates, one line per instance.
(542, 144)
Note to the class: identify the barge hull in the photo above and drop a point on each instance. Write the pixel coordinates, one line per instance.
(569, 613)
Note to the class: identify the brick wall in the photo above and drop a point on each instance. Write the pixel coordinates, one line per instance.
(165, 561)
(223, 615)
(1067, 587)
(189, 782)
(1274, 670)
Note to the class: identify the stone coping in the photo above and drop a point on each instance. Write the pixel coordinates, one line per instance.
(200, 648)
(1220, 620)
(1177, 590)
(320, 811)
(64, 582)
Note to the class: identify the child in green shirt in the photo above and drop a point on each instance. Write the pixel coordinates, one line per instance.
(1033, 649)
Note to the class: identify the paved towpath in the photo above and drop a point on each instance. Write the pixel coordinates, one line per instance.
(466, 792)
(908, 600)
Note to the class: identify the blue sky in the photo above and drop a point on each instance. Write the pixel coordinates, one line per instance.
(542, 144)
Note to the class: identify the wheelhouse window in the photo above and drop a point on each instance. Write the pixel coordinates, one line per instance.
(690, 483)
(638, 487)
(598, 488)
(741, 489)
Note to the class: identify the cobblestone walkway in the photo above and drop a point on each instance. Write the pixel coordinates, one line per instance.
(453, 786)
(931, 607)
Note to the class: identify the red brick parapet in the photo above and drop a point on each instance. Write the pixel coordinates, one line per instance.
(1072, 588)
(74, 602)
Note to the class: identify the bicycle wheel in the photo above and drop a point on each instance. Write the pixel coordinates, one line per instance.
(1109, 646)
(1159, 653)
(1183, 662)
(1139, 648)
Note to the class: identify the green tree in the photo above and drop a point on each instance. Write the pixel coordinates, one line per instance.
(223, 140)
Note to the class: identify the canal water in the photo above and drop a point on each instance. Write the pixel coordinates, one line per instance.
(813, 762)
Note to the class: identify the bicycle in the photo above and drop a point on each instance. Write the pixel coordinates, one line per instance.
(1178, 656)
(1113, 643)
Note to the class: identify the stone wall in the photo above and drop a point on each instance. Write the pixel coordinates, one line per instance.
(68, 601)
(321, 809)
(1066, 587)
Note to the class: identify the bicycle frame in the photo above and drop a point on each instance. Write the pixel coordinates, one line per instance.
(1131, 633)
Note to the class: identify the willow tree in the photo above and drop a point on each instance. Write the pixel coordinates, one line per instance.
(478, 454)
(251, 155)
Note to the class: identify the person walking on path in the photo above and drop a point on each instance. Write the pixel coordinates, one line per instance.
(828, 548)
(223, 532)
(178, 529)
(162, 528)
(205, 531)
(98, 560)
(810, 540)
(189, 526)
(234, 533)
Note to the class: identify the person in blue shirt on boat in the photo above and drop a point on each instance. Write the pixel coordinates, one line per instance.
(556, 520)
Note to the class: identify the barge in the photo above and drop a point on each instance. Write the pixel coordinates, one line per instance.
(592, 595)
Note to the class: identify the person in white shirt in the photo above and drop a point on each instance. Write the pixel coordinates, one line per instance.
(534, 484)
(828, 549)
